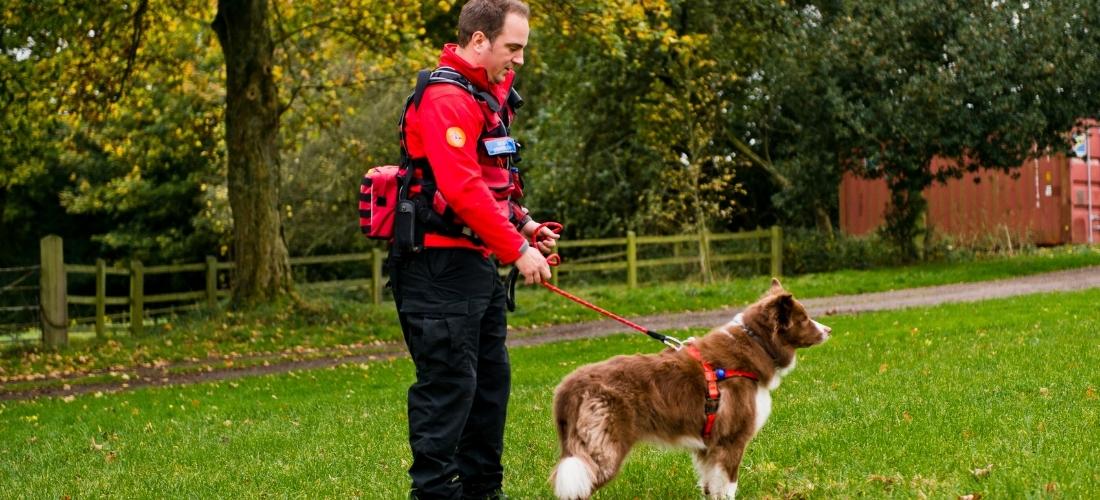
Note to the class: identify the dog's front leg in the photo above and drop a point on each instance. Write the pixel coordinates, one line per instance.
(718, 466)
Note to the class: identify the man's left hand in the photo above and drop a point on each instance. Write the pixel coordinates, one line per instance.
(546, 239)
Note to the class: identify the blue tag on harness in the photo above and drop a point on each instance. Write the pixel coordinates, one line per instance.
(500, 146)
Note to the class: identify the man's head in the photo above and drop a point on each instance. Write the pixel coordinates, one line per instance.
(492, 34)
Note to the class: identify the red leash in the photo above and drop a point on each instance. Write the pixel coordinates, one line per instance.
(555, 259)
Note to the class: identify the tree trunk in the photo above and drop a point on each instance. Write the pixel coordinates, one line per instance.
(251, 135)
(904, 218)
(823, 221)
(695, 171)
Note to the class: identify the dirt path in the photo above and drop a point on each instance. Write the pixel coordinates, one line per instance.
(1075, 279)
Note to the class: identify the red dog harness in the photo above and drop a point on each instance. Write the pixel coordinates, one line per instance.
(713, 376)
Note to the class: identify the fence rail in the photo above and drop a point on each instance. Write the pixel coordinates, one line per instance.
(622, 255)
(19, 295)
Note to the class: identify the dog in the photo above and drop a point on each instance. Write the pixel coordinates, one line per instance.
(678, 397)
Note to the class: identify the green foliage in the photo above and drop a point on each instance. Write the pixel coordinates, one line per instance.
(323, 169)
(117, 113)
(657, 116)
(880, 88)
(633, 109)
(150, 172)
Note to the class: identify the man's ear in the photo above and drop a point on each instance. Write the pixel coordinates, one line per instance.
(479, 41)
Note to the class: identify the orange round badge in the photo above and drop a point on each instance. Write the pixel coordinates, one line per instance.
(456, 137)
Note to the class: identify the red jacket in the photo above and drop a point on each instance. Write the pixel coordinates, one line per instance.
(445, 128)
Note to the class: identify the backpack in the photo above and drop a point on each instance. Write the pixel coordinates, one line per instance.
(378, 201)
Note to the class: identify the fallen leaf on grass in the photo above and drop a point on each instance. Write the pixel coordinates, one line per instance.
(1090, 393)
(971, 496)
(1051, 487)
(981, 472)
(885, 480)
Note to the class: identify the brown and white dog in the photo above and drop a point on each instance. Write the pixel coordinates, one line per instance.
(603, 409)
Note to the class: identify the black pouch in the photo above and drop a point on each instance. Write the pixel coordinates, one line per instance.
(408, 232)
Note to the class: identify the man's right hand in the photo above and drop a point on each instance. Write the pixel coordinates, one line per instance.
(532, 265)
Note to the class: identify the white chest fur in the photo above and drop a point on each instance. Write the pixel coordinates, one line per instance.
(763, 408)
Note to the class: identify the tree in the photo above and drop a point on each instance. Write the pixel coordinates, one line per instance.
(254, 109)
(115, 106)
(85, 117)
(982, 84)
(634, 105)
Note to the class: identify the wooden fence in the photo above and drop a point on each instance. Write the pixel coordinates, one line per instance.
(622, 257)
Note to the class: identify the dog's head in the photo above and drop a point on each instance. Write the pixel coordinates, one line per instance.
(778, 313)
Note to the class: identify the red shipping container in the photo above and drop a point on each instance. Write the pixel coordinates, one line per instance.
(1047, 204)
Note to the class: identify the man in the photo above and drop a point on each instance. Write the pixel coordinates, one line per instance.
(450, 300)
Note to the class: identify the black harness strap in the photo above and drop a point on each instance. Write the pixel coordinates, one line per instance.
(445, 74)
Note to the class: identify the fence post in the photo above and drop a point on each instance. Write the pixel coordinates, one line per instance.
(100, 297)
(53, 293)
(376, 275)
(777, 251)
(211, 281)
(631, 259)
(137, 298)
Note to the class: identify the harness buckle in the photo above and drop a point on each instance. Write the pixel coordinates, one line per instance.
(711, 406)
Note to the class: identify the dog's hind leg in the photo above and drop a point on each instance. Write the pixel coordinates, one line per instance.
(592, 452)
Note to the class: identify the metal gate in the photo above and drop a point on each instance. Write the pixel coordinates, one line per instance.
(19, 304)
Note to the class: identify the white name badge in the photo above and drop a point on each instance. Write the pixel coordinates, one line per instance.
(500, 146)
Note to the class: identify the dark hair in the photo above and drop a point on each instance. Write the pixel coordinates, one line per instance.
(487, 16)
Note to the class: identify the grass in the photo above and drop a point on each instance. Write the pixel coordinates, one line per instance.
(998, 398)
(347, 321)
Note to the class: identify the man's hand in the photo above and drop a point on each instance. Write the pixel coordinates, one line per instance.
(532, 265)
(546, 239)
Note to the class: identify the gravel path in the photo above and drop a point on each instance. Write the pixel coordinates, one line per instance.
(1060, 281)
(1075, 279)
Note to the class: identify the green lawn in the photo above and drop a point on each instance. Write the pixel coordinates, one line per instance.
(898, 404)
(339, 322)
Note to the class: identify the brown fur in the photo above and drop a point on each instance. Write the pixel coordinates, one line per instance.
(603, 409)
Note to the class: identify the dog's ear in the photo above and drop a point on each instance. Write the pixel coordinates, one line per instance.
(781, 306)
(776, 286)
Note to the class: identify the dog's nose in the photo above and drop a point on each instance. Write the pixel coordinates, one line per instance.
(824, 329)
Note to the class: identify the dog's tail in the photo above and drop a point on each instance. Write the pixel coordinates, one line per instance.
(572, 478)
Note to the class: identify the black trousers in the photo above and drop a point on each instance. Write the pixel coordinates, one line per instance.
(451, 304)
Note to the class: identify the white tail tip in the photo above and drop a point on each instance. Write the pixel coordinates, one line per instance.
(572, 480)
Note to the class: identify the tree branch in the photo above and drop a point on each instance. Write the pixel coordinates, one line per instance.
(767, 166)
(135, 42)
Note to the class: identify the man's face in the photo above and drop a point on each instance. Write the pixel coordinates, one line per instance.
(506, 52)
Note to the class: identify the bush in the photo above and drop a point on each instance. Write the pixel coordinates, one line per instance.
(807, 250)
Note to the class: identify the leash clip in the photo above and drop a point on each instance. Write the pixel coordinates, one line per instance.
(672, 342)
